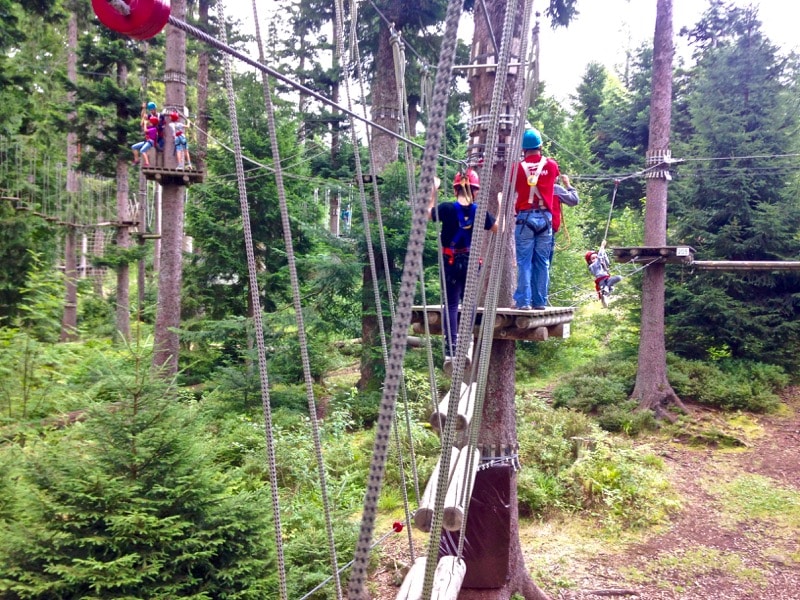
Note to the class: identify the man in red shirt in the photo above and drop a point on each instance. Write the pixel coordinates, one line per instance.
(537, 217)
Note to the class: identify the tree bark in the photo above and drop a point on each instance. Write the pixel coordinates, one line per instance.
(123, 306)
(385, 109)
(652, 389)
(168, 311)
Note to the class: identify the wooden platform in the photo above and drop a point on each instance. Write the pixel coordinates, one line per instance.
(166, 176)
(509, 324)
(654, 254)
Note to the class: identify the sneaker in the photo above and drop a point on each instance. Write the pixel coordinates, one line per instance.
(134, 162)
(190, 167)
(539, 307)
(525, 307)
(179, 167)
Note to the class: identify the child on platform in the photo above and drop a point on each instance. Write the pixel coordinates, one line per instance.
(150, 130)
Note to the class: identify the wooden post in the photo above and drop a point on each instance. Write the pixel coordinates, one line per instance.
(448, 578)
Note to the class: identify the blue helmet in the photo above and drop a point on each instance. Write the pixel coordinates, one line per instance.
(531, 140)
(151, 106)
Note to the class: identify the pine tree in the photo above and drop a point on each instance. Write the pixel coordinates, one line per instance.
(742, 102)
(130, 504)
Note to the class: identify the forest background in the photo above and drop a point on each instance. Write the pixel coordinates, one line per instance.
(182, 457)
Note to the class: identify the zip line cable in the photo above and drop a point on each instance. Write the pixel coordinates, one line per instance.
(224, 47)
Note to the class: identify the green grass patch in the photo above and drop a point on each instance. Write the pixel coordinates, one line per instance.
(752, 497)
(683, 567)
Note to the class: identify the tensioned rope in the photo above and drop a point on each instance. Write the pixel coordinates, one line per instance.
(405, 300)
(370, 250)
(224, 47)
(298, 310)
(471, 289)
(387, 276)
(259, 326)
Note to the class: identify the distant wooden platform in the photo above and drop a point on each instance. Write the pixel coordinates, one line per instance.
(509, 323)
(166, 176)
(654, 254)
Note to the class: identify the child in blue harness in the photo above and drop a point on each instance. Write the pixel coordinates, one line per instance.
(457, 219)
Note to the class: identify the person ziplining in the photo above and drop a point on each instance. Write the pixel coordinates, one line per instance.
(599, 266)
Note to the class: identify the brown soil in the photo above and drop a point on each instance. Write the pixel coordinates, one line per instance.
(712, 549)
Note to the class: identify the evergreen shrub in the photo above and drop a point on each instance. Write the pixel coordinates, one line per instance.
(606, 381)
(549, 441)
(728, 384)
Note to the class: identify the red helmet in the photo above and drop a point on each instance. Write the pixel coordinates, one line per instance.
(174, 116)
(589, 256)
(472, 178)
(153, 120)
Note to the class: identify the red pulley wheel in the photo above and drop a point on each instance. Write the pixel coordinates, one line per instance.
(160, 18)
(146, 18)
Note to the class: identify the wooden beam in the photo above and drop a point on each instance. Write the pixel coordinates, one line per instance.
(464, 410)
(747, 265)
(423, 517)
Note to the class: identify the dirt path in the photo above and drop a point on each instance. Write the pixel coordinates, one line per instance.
(737, 536)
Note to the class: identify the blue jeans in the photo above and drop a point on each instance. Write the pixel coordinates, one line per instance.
(533, 236)
(455, 279)
(143, 146)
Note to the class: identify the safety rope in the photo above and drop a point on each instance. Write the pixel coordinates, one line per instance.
(390, 295)
(373, 268)
(298, 310)
(405, 300)
(256, 302)
(611, 208)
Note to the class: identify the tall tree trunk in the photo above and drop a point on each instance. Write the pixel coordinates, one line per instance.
(69, 331)
(501, 570)
(385, 109)
(168, 311)
(69, 321)
(385, 112)
(123, 233)
(652, 389)
(157, 193)
(141, 217)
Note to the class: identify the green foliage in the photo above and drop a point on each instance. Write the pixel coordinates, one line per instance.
(621, 485)
(728, 384)
(608, 380)
(740, 100)
(17, 235)
(42, 304)
(131, 500)
(38, 380)
(549, 442)
(625, 418)
(363, 406)
(569, 464)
